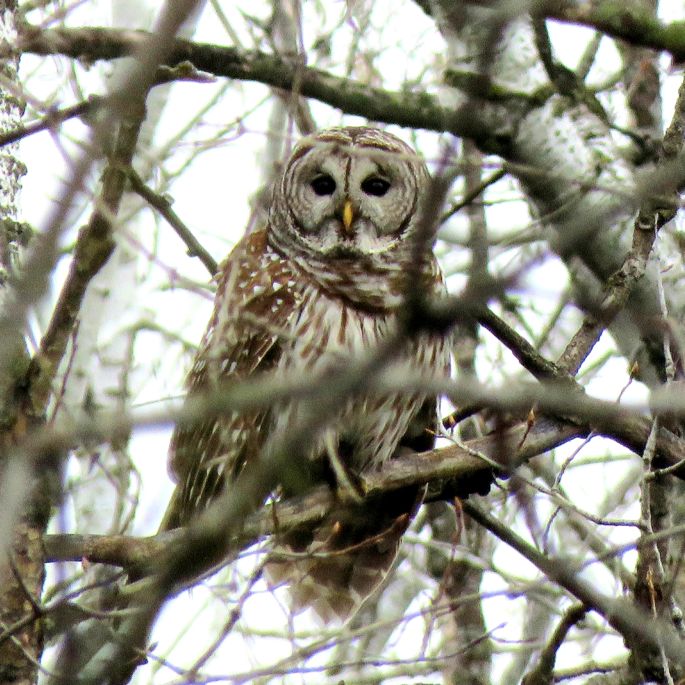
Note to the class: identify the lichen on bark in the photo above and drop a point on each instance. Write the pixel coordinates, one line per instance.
(21, 566)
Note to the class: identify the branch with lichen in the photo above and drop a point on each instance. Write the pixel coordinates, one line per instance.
(634, 23)
(631, 22)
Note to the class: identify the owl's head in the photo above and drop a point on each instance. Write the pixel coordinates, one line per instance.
(348, 195)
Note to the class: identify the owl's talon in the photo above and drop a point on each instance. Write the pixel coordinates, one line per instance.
(349, 487)
(351, 493)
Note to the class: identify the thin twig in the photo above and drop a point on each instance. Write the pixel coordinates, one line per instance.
(473, 194)
(163, 206)
(620, 614)
(541, 674)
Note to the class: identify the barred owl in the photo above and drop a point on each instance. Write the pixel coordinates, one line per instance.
(324, 280)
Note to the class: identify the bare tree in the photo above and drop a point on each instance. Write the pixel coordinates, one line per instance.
(558, 160)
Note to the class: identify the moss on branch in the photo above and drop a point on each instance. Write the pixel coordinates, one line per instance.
(632, 23)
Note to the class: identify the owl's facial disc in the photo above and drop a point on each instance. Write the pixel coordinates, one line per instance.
(351, 203)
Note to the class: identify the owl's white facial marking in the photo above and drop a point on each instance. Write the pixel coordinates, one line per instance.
(378, 193)
(346, 209)
(349, 194)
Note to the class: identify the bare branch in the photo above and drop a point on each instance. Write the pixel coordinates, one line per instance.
(163, 206)
(405, 109)
(542, 673)
(620, 614)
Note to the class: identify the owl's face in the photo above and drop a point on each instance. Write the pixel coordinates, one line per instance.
(348, 194)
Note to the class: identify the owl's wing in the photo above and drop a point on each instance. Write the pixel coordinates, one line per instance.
(254, 304)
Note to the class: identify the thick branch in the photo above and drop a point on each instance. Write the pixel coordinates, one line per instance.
(94, 247)
(418, 110)
(464, 466)
(630, 22)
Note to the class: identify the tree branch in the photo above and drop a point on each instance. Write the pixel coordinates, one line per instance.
(465, 466)
(630, 22)
(54, 117)
(542, 674)
(163, 206)
(418, 110)
(619, 613)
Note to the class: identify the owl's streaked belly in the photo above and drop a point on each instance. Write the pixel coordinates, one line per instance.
(328, 333)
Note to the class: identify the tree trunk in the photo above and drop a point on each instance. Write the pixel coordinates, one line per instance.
(24, 506)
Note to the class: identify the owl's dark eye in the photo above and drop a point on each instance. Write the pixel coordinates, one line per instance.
(375, 185)
(323, 185)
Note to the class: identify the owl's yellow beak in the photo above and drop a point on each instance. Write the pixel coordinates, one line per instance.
(347, 216)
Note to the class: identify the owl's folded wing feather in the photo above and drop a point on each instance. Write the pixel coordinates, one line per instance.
(254, 302)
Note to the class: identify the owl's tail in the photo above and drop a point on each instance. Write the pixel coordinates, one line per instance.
(336, 565)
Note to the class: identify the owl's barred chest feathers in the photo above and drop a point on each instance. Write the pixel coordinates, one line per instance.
(314, 330)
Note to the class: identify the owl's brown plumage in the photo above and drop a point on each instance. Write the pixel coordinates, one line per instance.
(322, 282)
